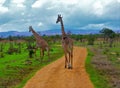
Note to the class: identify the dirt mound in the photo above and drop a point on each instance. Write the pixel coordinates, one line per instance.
(56, 76)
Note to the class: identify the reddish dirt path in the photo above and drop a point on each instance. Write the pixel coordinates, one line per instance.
(56, 76)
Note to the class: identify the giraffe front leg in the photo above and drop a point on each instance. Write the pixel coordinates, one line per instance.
(71, 63)
(66, 61)
(48, 53)
(71, 60)
(41, 56)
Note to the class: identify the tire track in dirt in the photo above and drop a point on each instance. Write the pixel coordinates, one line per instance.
(55, 75)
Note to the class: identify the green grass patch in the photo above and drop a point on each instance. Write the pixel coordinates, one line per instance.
(114, 55)
(16, 69)
(98, 80)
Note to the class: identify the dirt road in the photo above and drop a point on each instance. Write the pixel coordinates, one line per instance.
(56, 76)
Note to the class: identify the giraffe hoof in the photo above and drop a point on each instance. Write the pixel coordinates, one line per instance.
(69, 67)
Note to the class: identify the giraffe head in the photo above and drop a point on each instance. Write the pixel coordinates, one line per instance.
(59, 18)
(30, 28)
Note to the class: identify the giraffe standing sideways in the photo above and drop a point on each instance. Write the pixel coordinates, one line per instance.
(67, 44)
(40, 42)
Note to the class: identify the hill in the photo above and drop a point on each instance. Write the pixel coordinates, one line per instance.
(47, 32)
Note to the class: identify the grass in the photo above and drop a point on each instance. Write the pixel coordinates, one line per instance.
(103, 80)
(113, 54)
(14, 72)
(16, 69)
(98, 80)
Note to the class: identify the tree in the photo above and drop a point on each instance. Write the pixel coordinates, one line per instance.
(10, 38)
(91, 39)
(108, 34)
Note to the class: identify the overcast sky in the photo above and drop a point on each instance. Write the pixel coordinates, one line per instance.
(18, 15)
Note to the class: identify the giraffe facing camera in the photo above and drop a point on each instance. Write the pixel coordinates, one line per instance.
(67, 44)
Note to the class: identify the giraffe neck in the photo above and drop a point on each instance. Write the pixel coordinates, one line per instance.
(36, 35)
(62, 28)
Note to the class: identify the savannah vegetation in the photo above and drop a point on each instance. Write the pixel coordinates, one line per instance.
(103, 60)
(17, 65)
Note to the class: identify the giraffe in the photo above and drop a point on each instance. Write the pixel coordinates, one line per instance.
(40, 43)
(67, 44)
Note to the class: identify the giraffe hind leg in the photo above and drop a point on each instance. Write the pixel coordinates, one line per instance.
(66, 61)
(48, 53)
(69, 62)
(42, 55)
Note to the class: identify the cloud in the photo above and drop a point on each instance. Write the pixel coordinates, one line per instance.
(41, 14)
(38, 3)
(94, 26)
(2, 2)
(3, 9)
(18, 3)
(118, 1)
(40, 24)
(98, 8)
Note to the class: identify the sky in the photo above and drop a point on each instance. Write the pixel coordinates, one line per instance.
(18, 15)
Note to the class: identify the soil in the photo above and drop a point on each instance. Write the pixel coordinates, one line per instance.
(55, 75)
(106, 68)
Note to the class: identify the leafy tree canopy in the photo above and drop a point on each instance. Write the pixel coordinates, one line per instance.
(108, 32)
